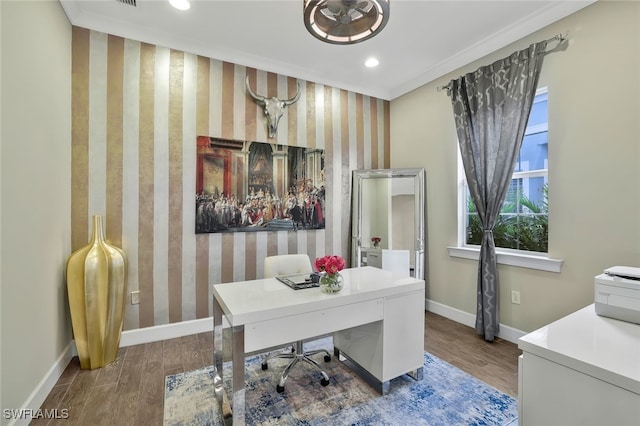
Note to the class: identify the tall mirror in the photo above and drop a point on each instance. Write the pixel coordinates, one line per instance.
(388, 229)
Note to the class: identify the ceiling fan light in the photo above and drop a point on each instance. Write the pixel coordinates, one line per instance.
(180, 4)
(345, 21)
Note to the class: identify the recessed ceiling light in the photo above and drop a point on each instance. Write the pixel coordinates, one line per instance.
(180, 4)
(371, 63)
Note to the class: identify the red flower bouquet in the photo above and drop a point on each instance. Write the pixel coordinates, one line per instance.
(329, 264)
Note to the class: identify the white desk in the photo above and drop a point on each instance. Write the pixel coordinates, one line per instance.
(583, 369)
(378, 324)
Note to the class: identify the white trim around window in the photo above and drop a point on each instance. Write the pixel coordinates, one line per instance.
(513, 258)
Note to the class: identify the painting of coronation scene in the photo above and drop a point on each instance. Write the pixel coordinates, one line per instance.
(244, 186)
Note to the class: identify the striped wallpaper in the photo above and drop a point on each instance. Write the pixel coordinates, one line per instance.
(137, 111)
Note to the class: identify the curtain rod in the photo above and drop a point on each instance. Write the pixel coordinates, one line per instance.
(560, 38)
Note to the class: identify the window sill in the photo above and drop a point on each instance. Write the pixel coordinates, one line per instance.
(522, 260)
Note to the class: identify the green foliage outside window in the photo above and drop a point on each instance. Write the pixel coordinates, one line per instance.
(513, 230)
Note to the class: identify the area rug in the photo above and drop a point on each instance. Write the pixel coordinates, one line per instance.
(445, 396)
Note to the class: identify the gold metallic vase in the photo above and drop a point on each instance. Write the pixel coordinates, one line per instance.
(96, 282)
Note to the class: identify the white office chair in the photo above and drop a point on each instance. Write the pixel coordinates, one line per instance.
(285, 265)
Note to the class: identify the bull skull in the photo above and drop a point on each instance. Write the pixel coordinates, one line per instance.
(273, 107)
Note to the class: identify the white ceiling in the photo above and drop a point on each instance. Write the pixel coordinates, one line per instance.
(423, 40)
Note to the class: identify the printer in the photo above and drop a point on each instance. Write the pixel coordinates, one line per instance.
(617, 293)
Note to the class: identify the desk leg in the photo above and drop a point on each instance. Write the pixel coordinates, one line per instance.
(217, 352)
(417, 374)
(238, 404)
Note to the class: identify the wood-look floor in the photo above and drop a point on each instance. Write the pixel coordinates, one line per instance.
(130, 390)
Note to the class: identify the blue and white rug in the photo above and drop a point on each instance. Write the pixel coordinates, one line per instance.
(445, 396)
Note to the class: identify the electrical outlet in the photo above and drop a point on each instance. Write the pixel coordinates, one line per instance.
(135, 297)
(515, 297)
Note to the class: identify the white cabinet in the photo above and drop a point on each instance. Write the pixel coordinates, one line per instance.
(583, 369)
(387, 349)
(396, 261)
(371, 257)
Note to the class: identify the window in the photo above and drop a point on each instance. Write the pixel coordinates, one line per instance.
(523, 221)
(521, 231)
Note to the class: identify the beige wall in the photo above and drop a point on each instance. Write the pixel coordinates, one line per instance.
(35, 169)
(594, 172)
(138, 109)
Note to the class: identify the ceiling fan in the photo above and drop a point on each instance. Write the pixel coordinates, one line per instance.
(346, 11)
(345, 21)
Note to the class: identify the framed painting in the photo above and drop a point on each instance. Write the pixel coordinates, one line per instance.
(244, 186)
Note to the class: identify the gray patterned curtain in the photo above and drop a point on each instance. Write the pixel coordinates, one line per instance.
(491, 108)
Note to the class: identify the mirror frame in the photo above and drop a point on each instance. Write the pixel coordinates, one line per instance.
(419, 177)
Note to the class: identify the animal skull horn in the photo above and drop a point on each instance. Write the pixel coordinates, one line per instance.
(273, 107)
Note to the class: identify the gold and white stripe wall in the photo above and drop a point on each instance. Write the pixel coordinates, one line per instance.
(137, 110)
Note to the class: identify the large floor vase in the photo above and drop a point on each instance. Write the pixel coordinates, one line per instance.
(96, 283)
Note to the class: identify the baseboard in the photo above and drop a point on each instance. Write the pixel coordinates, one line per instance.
(507, 333)
(40, 393)
(165, 331)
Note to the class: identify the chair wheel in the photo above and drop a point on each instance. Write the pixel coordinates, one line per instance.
(265, 366)
(324, 382)
(327, 358)
(280, 389)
